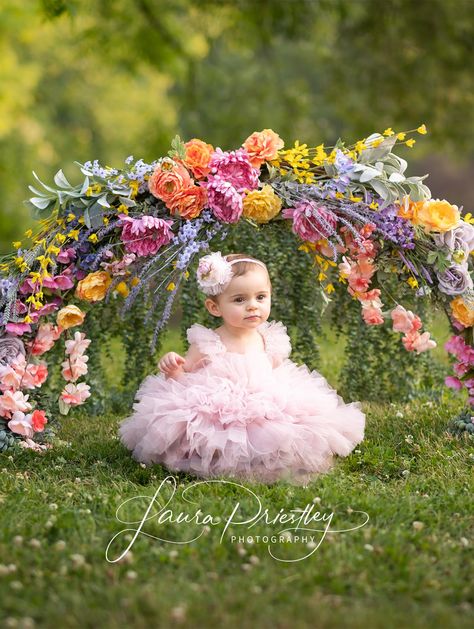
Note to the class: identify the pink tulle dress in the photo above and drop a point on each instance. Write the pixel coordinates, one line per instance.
(255, 416)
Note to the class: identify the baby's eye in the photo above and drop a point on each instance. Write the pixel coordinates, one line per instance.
(239, 299)
(262, 296)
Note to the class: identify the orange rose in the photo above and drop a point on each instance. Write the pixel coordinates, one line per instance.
(94, 286)
(462, 312)
(409, 209)
(168, 179)
(198, 156)
(189, 202)
(263, 146)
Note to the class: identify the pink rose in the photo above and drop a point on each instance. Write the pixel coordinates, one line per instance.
(45, 338)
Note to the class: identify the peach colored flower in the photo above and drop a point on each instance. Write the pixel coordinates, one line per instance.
(93, 287)
(73, 369)
(414, 341)
(371, 299)
(169, 178)
(21, 424)
(45, 338)
(188, 203)
(75, 394)
(34, 375)
(38, 420)
(263, 146)
(9, 378)
(372, 316)
(70, 316)
(405, 320)
(78, 345)
(198, 156)
(12, 401)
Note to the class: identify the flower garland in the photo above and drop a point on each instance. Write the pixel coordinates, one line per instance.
(121, 231)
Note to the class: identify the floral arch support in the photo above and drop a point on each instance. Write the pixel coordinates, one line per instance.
(125, 230)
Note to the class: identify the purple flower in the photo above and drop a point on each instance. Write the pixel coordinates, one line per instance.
(458, 238)
(235, 168)
(455, 280)
(395, 228)
(223, 199)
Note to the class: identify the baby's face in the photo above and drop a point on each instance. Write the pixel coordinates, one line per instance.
(246, 301)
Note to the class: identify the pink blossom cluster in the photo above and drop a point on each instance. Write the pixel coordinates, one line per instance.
(145, 235)
(231, 174)
(14, 404)
(73, 368)
(18, 329)
(358, 268)
(410, 324)
(311, 221)
(464, 354)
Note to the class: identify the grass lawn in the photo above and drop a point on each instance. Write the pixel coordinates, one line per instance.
(410, 565)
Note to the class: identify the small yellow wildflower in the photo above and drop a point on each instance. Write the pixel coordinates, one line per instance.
(134, 185)
(401, 136)
(376, 142)
(388, 132)
(322, 276)
(122, 208)
(19, 260)
(413, 282)
(105, 220)
(360, 146)
(410, 142)
(135, 280)
(28, 233)
(27, 319)
(16, 244)
(70, 217)
(329, 289)
(171, 286)
(355, 199)
(186, 274)
(93, 238)
(422, 129)
(74, 233)
(374, 205)
(60, 238)
(468, 218)
(53, 249)
(81, 220)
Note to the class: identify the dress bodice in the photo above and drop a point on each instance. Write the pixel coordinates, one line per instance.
(276, 340)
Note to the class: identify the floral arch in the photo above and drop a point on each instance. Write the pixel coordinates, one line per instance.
(121, 231)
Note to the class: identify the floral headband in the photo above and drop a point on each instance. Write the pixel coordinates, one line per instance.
(215, 272)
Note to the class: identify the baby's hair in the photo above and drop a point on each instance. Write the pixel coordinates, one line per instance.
(240, 268)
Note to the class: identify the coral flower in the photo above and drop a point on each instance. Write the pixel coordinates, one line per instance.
(263, 146)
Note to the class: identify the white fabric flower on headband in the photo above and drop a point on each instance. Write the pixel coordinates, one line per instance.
(213, 273)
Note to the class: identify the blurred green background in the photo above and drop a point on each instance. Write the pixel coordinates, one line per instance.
(103, 79)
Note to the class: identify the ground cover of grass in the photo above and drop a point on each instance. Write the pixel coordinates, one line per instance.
(409, 566)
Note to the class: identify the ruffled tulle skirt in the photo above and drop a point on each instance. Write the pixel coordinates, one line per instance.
(241, 420)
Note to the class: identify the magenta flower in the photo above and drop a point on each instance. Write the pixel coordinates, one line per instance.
(453, 383)
(145, 235)
(310, 221)
(235, 168)
(223, 199)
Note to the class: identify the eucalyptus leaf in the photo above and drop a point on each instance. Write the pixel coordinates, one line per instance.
(96, 214)
(40, 202)
(87, 219)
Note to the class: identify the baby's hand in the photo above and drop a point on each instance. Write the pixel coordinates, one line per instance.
(171, 363)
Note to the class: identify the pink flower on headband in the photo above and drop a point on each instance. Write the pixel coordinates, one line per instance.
(213, 273)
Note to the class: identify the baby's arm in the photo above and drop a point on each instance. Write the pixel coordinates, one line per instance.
(173, 365)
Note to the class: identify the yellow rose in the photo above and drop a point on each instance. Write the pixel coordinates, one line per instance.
(94, 286)
(261, 205)
(462, 312)
(436, 215)
(69, 316)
